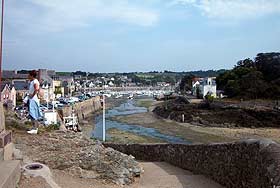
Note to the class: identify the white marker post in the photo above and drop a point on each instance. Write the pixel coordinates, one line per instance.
(104, 126)
(48, 97)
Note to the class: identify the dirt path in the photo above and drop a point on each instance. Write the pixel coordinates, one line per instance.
(164, 175)
(64, 180)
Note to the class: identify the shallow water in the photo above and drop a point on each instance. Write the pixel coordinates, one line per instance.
(129, 108)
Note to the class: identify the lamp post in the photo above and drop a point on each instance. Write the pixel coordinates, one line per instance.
(104, 121)
(1, 45)
(104, 114)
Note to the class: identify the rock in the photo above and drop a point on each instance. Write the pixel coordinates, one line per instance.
(83, 157)
(181, 100)
(89, 174)
(79, 172)
(203, 122)
(84, 122)
(62, 127)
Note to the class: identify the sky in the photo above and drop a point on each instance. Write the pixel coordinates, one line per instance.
(137, 35)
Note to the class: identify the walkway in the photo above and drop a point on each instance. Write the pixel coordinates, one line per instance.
(164, 175)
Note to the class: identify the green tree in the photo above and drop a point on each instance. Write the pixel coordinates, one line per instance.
(269, 65)
(186, 83)
(253, 85)
(253, 79)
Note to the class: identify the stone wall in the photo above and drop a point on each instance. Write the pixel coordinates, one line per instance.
(2, 118)
(86, 108)
(249, 164)
(82, 109)
(6, 144)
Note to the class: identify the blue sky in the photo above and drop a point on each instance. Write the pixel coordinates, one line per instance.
(137, 35)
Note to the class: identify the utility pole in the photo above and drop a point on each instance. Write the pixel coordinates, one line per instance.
(1, 45)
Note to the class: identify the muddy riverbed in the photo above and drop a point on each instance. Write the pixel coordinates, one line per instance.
(133, 130)
(188, 132)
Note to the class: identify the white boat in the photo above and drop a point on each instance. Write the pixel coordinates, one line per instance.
(118, 96)
(108, 95)
(130, 96)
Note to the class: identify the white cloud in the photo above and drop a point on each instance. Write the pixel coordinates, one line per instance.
(58, 15)
(234, 9)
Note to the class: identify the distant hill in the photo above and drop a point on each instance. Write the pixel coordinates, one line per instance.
(208, 73)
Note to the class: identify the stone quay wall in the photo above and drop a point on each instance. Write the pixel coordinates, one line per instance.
(82, 109)
(250, 163)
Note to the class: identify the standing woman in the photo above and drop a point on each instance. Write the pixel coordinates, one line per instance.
(33, 102)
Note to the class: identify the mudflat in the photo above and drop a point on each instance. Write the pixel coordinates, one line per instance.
(195, 133)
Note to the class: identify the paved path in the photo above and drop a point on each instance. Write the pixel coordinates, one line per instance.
(164, 175)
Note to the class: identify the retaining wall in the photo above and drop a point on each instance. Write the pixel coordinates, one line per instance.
(2, 118)
(82, 109)
(250, 164)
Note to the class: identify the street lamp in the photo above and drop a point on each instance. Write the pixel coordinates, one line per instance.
(104, 115)
(1, 44)
(104, 121)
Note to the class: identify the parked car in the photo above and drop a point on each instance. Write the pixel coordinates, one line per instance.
(43, 108)
(72, 100)
(88, 95)
(60, 105)
(82, 98)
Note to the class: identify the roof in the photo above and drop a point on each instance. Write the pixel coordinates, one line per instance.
(3, 84)
(21, 85)
(195, 79)
(11, 74)
(66, 78)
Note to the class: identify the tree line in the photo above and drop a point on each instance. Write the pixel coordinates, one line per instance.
(252, 79)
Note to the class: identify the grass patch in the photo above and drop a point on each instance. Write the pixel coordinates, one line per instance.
(144, 103)
(123, 137)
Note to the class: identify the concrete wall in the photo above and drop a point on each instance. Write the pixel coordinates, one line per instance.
(247, 164)
(85, 108)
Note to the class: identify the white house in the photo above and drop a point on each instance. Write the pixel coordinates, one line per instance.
(208, 86)
(195, 84)
(111, 84)
(205, 86)
(48, 92)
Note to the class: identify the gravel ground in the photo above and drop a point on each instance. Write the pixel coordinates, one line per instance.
(64, 180)
(74, 158)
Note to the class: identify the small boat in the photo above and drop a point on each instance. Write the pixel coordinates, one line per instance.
(130, 96)
(118, 96)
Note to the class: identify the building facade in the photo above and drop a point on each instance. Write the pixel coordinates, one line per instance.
(208, 87)
(204, 86)
(8, 96)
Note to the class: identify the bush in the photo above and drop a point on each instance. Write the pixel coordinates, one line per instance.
(209, 98)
